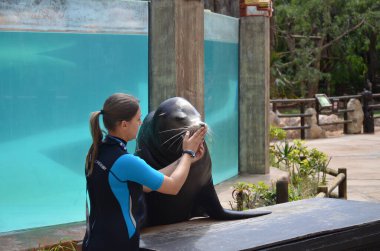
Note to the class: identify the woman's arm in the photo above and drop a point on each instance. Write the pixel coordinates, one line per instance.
(140, 172)
(168, 170)
(172, 184)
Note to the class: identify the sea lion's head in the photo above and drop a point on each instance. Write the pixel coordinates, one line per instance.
(170, 122)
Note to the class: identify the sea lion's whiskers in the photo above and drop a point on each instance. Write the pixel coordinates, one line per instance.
(182, 128)
(210, 132)
(178, 134)
(179, 137)
(210, 135)
(179, 145)
(192, 130)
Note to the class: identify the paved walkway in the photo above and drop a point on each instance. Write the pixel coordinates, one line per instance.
(360, 154)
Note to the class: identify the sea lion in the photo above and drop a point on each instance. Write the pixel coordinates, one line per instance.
(159, 143)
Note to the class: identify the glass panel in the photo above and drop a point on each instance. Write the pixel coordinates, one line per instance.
(221, 93)
(50, 83)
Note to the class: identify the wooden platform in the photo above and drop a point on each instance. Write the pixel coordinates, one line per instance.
(314, 224)
(35, 238)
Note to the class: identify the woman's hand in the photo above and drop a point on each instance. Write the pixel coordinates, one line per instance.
(193, 143)
(199, 154)
(173, 184)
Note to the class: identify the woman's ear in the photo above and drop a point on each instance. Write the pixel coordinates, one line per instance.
(124, 123)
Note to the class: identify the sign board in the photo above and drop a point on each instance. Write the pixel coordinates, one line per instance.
(323, 101)
(256, 8)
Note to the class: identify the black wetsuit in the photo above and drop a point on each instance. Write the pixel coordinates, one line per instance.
(115, 193)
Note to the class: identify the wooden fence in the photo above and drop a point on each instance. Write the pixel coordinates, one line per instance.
(370, 103)
(340, 182)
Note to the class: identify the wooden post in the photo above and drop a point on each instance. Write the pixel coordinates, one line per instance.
(323, 189)
(317, 110)
(282, 192)
(302, 111)
(342, 190)
(345, 117)
(254, 94)
(368, 123)
(176, 52)
(274, 107)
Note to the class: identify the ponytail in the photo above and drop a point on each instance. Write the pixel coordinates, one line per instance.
(97, 137)
(116, 108)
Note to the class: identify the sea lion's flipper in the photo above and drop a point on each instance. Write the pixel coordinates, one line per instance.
(209, 201)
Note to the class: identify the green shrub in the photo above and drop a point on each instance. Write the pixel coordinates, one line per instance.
(306, 169)
(276, 133)
(61, 246)
(249, 195)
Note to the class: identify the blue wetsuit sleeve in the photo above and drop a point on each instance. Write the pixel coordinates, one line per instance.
(133, 168)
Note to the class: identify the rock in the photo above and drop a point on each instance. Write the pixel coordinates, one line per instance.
(377, 122)
(293, 134)
(357, 117)
(323, 119)
(311, 121)
(315, 130)
(273, 119)
(290, 121)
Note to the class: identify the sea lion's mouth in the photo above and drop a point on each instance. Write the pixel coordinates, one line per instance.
(192, 129)
(171, 139)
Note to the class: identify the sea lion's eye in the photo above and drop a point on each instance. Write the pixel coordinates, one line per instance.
(180, 116)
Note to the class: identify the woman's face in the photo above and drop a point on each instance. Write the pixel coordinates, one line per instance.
(132, 126)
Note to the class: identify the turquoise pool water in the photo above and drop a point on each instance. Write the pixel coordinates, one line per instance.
(50, 82)
(221, 107)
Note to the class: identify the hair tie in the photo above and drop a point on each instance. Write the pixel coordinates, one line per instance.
(101, 112)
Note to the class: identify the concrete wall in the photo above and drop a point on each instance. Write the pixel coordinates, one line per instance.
(177, 58)
(254, 95)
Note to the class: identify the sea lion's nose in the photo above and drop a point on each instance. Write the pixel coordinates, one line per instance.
(202, 124)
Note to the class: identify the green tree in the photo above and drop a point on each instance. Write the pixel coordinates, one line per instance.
(324, 46)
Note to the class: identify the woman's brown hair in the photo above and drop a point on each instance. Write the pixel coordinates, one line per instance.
(116, 108)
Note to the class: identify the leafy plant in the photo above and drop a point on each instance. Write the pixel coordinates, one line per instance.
(249, 195)
(264, 195)
(61, 246)
(303, 165)
(306, 168)
(242, 196)
(276, 133)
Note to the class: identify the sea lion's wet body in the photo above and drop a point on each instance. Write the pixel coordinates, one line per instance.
(159, 143)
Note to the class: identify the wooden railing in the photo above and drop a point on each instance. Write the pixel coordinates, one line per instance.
(368, 100)
(375, 105)
(301, 104)
(338, 111)
(340, 182)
